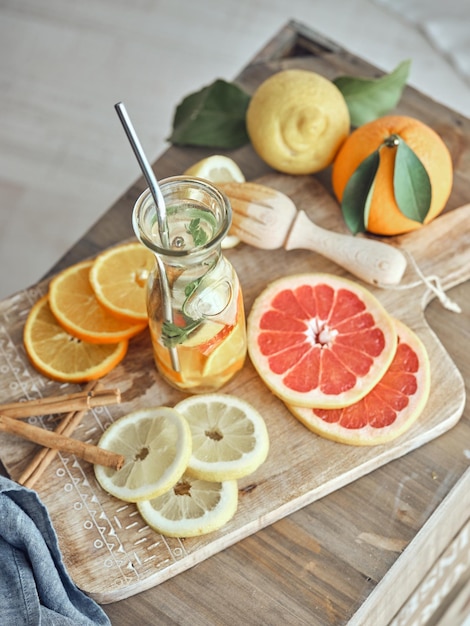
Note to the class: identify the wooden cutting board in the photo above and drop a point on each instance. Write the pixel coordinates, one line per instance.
(109, 551)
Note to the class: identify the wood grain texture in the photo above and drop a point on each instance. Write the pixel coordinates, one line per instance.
(447, 568)
(319, 564)
(301, 467)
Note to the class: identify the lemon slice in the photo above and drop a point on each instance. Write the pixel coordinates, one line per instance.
(156, 444)
(216, 169)
(207, 331)
(228, 353)
(229, 436)
(219, 169)
(229, 241)
(193, 507)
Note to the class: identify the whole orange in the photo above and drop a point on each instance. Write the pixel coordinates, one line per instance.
(385, 217)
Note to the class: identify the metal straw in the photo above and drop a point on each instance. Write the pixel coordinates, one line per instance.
(146, 171)
(161, 214)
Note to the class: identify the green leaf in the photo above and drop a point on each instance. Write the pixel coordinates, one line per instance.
(196, 231)
(358, 192)
(173, 335)
(411, 184)
(212, 117)
(191, 288)
(368, 99)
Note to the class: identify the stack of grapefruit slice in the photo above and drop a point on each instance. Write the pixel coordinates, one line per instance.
(342, 365)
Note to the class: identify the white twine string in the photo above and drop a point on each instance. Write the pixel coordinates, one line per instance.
(433, 284)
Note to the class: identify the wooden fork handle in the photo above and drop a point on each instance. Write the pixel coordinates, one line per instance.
(372, 261)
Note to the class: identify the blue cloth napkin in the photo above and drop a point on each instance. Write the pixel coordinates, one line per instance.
(35, 588)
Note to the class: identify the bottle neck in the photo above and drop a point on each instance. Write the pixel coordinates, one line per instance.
(195, 258)
(198, 217)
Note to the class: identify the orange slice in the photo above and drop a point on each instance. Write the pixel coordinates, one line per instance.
(320, 340)
(389, 410)
(76, 308)
(119, 280)
(60, 356)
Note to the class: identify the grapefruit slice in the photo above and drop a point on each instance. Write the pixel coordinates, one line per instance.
(387, 411)
(318, 340)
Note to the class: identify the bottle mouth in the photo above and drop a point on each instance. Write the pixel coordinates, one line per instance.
(198, 217)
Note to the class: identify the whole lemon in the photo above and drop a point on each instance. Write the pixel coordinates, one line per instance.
(297, 120)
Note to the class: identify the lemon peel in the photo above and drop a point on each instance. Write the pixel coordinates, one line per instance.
(118, 277)
(230, 438)
(156, 444)
(297, 120)
(218, 168)
(193, 507)
(57, 354)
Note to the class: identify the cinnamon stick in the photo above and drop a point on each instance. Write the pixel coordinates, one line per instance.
(50, 439)
(44, 456)
(86, 399)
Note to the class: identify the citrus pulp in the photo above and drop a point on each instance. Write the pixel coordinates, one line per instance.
(219, 168)
(60, 356)
(156, 444)
(229, 436)
(119, 279)
(389, 409)
(193, 507)
(320, 340)
(74, 304)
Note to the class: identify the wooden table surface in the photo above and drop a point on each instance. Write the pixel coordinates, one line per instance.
(356, 555)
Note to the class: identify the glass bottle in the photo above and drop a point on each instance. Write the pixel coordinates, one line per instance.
(194, 299)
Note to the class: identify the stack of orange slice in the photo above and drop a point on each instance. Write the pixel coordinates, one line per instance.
(80, 329)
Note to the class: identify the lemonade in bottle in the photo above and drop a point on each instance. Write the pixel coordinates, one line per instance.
(194, 299)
